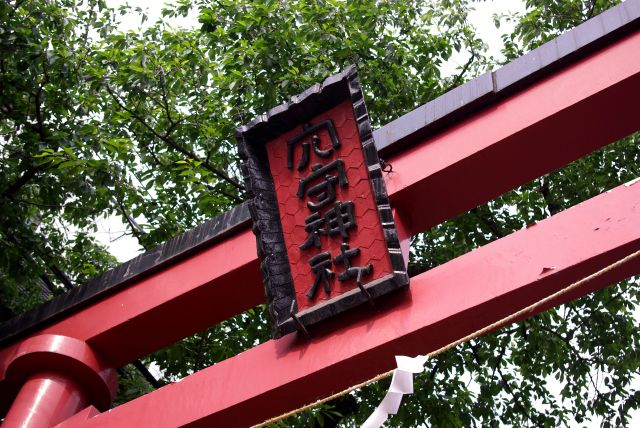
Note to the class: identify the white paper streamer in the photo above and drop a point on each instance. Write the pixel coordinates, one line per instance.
(376, 419)
(412, 365)
(401, 383)
(391, 402)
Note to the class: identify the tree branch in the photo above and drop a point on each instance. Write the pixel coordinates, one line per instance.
(165, 103)
(59, 273)
(570, 347)
(16, 185)
(516, 399)
(39, 118)
(586, 361)
(552, 207)
(592, 9)
(157, 161)
(137, 231)
(199, 353)
(503, 349)
(146, 374)
(15, 7)
(32, 170)
(458, 79)
(62, 276)
(173, 144)
(504, 382)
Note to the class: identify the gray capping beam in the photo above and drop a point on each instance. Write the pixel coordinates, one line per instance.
(408, 129)
(435, 115)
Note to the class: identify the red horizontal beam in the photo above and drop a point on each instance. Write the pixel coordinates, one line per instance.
(578, 109)
(442, 305)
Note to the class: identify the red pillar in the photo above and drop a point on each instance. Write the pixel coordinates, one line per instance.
(55, 377)
(46, 399)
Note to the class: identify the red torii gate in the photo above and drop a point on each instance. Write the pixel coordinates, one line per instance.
(549, 107)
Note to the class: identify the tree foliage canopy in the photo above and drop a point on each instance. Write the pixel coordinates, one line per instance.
(97, 122)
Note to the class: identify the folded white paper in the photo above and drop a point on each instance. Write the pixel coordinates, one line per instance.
(401, 383)
(412, 365)
(391, 402)
(376, 419)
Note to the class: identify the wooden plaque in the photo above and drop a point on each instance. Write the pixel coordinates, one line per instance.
(326, 237)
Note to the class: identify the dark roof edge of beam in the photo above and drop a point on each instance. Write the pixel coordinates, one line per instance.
(151, 261)
(491, 86)
(393, 137)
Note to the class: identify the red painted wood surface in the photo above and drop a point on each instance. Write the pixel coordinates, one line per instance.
(46, 399)
(564, 116)
(367, 236)
(442, 305)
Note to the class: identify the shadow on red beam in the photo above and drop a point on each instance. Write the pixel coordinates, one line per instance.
(559, 119)
(443, 304)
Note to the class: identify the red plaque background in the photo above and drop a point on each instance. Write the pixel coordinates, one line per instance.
(368, 235)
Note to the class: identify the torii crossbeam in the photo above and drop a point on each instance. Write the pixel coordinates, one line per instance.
(559, 102)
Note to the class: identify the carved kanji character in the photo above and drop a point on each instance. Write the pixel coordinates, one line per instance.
(325, 191)
(320, 266)
(340, 219)
(315, 142)
(304, 160)
(313, 225)
(351, 271)
(312, 130)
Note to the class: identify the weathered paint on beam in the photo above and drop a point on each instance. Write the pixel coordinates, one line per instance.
(442, 305)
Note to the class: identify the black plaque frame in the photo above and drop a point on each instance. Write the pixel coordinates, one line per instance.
(274, 262)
